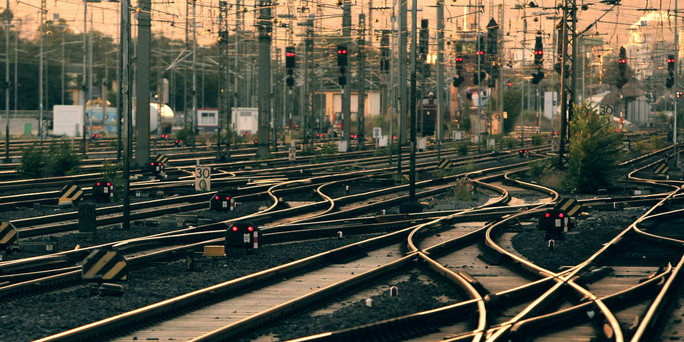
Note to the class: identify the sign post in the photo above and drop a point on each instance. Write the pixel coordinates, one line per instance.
(202, 178)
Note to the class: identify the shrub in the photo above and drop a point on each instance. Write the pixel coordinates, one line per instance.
(595, 151)
(462, 148)
(58, 159)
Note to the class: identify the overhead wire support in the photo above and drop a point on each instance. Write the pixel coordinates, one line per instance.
(568, 75)
(224, 118)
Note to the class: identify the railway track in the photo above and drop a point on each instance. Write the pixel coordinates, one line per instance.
(505, 305)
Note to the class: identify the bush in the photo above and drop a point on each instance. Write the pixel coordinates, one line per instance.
(32, 163)
(187, 135)
(462, 148)
(58, 159)
(595, 151)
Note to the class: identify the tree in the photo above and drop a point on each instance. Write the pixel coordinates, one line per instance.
(595, 150)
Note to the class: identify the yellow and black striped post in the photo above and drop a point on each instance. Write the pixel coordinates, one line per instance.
(445, 164)
(569, 206)
(661, 169)
(8, 235)
(162, 158)
(70, 194)
(104, 265)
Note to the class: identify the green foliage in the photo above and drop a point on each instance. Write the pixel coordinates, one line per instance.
(539, 167)
(537, 139)
(112, 172)
(595, 151)
(544, 171)
(509, 141)
(58, 159)
(463, 190)
(651, 144)
(32, 163)
(187, 135)
(462, 148)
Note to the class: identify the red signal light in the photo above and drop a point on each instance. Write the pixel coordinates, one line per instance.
(227, 198)
(152, 164)
(510, 84)
(217, 197)
(622, 61)
(109, 184)
(250, 229)
(97, 184)
(481, 53)
(547, 214)
(234, 228)
(561, 215)
(459, 59)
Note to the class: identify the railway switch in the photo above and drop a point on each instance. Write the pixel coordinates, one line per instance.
(222, 202)
(103, 191)
(242, 235)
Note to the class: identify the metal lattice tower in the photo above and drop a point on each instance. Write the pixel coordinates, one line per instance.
(568, 74)
(223, 106)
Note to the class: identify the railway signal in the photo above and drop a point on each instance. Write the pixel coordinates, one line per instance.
(538, 51)
(222, 202)
(103, 191)
(458, 79)
(670, 71)
(622, 68)
(555, 222)
(290, 57)
(241, 235)
(290, 63)
(342, 62)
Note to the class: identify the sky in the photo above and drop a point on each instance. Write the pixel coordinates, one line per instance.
(169, 17)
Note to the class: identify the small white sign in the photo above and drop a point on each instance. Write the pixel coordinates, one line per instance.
(202, 178)
(458, 135)
(342, 146)
(382, 142)
(292, 153)
(422, 142)
(377, 132)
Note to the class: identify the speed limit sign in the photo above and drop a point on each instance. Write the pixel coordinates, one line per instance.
(202, 178)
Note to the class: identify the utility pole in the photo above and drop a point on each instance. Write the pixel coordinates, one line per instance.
(361, 80)
(676, 51)
(412, 101)
(265, 22)
(194, 73)
(41, 71)
(441, 99)
(223, 110)
(126, 112)
(346, 91)
(401, 65)
(307, 124)
(522, 85)
(142, 85)
(568, 36)
(8, 24)
(84, 79)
